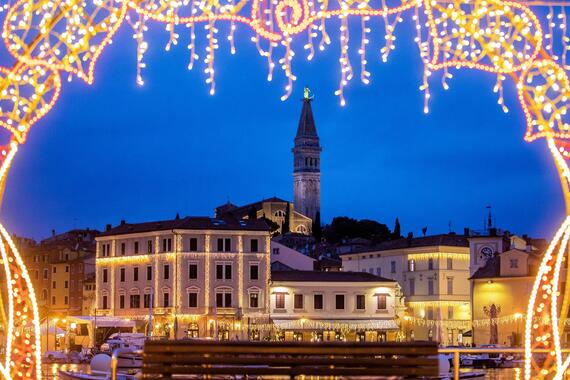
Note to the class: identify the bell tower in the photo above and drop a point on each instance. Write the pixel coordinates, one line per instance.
(307, 163)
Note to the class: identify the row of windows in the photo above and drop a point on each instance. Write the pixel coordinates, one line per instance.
(223, 299)
(223, 272)
(411, 265)
(431, 287)
(318, 304)
(223, 245)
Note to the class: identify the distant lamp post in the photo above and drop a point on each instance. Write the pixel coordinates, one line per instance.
(493, 312)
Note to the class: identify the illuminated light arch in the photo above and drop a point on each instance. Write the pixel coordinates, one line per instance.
(48, 37)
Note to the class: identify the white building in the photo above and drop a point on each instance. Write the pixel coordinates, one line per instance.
(281, 255)
(196, 276)
(434, 274)
(326, 306)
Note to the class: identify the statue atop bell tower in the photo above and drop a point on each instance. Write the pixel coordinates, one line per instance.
(307, 162)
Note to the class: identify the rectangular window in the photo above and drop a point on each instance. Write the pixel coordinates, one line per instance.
(67, 269)
(254, 245)
(224, 299)
(339, 301)
(392, 267)
(149, 273)
(66, 284)
(430, 287)
(46, 273)
(193, 244)
(378, 271)
(430, 312)
(54, 269)
(193, 271)
(254, 300)
(412, 265)
(105, 306)
(430, 264)
(53, 300)
(318, 302)
(149, 246)
(298, 304)
(275, 251)
(219, 271)
(220, 245)
(450, 285)
(449, 263)
(382, 301)
(136, 247)
(166, 299)
(227, 245)
(105, 275)
(254, 272)
(280, 300)
(146, 301)
(450, 312)
(123, 274)
(167, 245)
(228, 271)
(65, 300)
(514, 263)
(412, 286)
(53, 286)
(166, 271)
(135, 301)
(135, 273)
(193, 299)
(121, 301)
(360, 302)
(123, 249)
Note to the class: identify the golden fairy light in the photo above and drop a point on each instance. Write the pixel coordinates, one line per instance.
(49, 38)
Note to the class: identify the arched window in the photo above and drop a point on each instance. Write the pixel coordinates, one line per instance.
(279, 214)
(301, 229)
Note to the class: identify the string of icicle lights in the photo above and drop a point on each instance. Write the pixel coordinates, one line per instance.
(50, 37)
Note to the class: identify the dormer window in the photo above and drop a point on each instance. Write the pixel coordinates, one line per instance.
(514, 263)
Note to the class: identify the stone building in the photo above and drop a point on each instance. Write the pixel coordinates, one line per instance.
(315, 306)
(194, 276)
(433, 272)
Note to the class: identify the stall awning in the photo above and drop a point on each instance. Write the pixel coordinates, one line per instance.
(335, 324)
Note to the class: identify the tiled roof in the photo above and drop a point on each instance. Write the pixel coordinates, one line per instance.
(315, 276)
(423, 241)
(491, 269)
(241, 211)
(189, 223)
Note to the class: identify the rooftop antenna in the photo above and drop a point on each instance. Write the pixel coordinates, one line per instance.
(449, 225)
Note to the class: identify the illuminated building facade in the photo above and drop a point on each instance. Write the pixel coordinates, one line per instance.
(196, 276)
(504, 269)
(58, 267)
(334, 306)
(433, 272)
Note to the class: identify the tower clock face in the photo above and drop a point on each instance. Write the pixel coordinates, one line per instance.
(486, 253)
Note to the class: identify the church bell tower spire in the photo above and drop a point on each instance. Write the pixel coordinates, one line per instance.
(307, 162)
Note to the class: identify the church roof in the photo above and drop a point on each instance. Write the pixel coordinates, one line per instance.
(307, 126)
(241, 211)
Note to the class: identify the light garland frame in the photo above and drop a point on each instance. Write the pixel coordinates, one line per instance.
(48, 37)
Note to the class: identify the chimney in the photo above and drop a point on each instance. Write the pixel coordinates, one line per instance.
(466, 231)
(107, 227)
(123, 222)
(52, 232)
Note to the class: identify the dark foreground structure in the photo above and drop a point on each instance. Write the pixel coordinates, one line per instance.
(190, 358)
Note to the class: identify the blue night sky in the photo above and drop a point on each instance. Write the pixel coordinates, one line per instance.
(115, 151)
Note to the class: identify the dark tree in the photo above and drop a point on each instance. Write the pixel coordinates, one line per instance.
(252, 213)
(286, 225)
(343, 227)
(317, 229)
(397, 233)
